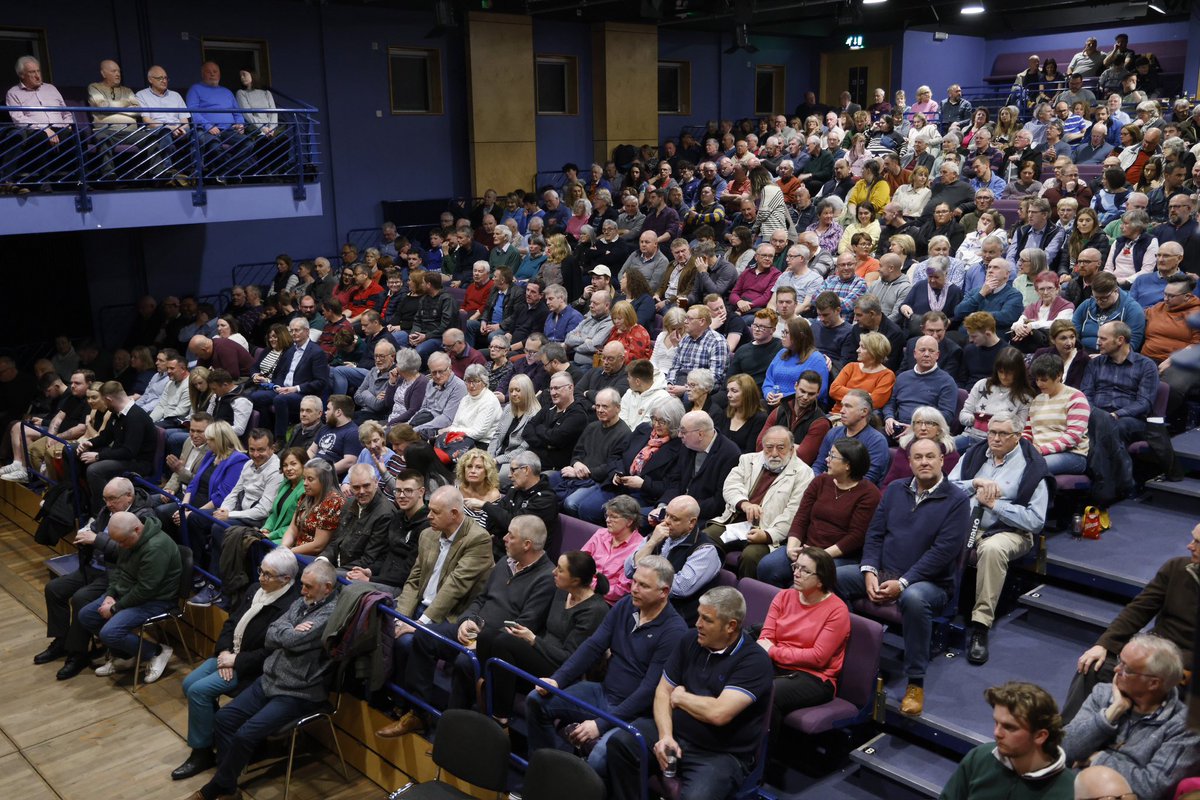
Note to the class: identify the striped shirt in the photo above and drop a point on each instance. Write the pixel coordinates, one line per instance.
(1059, 424)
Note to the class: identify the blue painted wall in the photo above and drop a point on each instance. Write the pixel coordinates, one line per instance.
(566, 138)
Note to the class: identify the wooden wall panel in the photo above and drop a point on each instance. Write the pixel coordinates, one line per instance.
(502, 127)
(625, 86)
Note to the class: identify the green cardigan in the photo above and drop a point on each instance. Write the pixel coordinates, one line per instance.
(982, 776)
(282, 510)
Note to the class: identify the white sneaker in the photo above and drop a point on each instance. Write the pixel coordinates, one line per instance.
(13, 467)
(112, 665)
(157, 665)
(18, 475)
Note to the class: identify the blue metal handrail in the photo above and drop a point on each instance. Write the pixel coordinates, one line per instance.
(416, 700)
(77, 154)
(68, 457)
(616, 722)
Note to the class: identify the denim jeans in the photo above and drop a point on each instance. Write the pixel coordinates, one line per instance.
(244, 723)
(540, 713)
(346, 379)
(919, 604)
(117, 632)
(204, 687)
(1066, 464)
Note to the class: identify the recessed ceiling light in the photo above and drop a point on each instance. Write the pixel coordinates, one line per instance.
(972, 8)
(874, 2)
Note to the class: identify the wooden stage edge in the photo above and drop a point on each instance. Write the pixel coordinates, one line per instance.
(388, 764)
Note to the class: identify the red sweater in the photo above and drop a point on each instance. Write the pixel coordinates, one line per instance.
(828, 516)
(810, 639)
(476, 296)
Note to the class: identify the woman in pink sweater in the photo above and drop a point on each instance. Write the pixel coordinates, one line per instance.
(805, 634)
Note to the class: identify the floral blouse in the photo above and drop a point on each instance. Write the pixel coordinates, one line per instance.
(326, 516)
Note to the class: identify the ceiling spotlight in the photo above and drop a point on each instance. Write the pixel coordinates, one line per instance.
(874, 2)
(971, 8)
(1152, 6)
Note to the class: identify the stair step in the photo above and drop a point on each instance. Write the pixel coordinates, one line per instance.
(851, 783)
(1125, 558)
(1024, 646)
(63, 565)
(906, 763)
(1187, 444)
(1071, 605)
(1188, 487)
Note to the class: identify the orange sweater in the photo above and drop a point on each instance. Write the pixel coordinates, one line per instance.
(1167, 331)
(877, 384)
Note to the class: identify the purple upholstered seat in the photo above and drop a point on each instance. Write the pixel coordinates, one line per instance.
(856, 685)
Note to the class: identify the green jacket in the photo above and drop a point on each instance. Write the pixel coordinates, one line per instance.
(983, 775)
(147, 571)
(282, 510)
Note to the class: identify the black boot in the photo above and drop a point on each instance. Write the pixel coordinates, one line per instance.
(74, 666)
(55, 651)
(977, 650)
(199, 761)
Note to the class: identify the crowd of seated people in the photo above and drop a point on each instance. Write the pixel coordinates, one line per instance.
(144, 136)
(829, 419)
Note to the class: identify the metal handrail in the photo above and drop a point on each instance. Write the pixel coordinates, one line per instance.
(616, 722)
(68, 456)
(418, 627)
(78, 164)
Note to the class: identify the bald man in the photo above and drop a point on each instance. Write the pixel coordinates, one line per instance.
(114, 126)
(220, 353)
(144, 583)
(695, 557)
(1101, 781)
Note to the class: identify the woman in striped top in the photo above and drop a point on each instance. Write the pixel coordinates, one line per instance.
(1058, 419)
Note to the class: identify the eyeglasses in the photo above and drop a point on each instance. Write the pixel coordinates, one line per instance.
(1123, 669)
(1000, 434)
(405, 492)
(803, 570)
(271, 576)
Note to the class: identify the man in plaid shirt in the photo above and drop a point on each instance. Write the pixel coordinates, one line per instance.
(845, 284)
(701, 347)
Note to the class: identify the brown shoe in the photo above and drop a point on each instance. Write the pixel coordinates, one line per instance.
(409, 723)
(914, 701)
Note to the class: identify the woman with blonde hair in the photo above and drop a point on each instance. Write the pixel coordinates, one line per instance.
(914, 195)
(477, 476)
(557, 251)
(668, 341)
(627, 331)
(509, 440)
(869, 373)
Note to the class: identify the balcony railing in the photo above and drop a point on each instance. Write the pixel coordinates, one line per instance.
(68, 151)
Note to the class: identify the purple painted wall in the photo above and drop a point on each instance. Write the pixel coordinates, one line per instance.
(937, 64)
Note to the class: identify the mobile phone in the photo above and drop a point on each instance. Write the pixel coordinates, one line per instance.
(511, 623)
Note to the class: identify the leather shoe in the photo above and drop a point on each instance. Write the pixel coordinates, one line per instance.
(74, 666)
(914, 701)
(409, 723)
(977, 651)
(55, 651)
(200, 760)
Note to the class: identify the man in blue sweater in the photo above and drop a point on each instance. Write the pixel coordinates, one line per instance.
(926, 384)
(995, 296)
(639, 652)
(1109, 303)
(856, 414)
(911, 557)
(227, 148)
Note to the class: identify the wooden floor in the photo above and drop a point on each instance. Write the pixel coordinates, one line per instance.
(92, 738)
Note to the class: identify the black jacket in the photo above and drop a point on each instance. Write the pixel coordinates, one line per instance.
(436, 315)
(706, 486)
(540, 501)
(362, 537)
(520, 320)
(657, 472)
(248, 664)
(553, 435)
(396, 561)
(130, 437)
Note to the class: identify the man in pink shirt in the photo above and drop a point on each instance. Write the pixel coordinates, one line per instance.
(46, 136)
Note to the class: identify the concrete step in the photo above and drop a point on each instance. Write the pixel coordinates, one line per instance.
(851, 783)
(1188, 487)
(1071, 605)
(1187, 445)
(907, 764)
